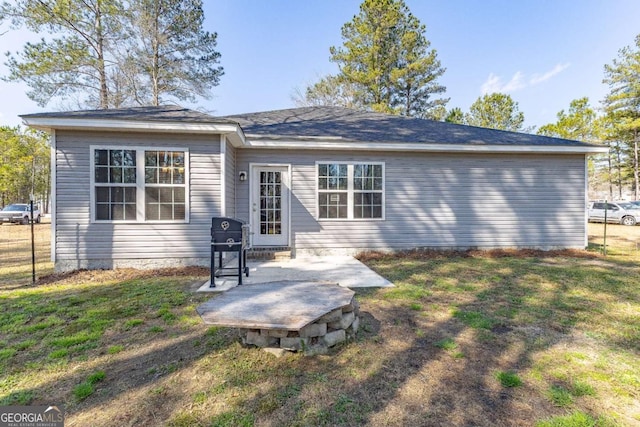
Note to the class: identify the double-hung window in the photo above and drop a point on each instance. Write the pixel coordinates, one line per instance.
(134, 184)
(350, 190)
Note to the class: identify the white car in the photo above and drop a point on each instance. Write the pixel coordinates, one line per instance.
(617, 212)
(19, 213)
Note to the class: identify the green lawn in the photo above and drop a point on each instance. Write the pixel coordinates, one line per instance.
(464, 339)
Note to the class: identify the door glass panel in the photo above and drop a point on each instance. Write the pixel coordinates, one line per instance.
(270, 202)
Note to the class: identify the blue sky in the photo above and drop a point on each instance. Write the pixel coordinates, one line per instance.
(543, 53)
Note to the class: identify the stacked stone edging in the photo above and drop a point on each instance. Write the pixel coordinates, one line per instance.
(329, 330)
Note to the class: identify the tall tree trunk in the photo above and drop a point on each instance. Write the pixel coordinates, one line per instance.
(156, 56)
(407, 107)
(104, 90)
(636, 166)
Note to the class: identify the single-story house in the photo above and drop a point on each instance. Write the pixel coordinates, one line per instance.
(139, 186)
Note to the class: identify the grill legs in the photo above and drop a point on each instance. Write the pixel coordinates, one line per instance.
(221, 271)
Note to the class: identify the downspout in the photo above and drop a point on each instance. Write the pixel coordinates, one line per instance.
(54, 188)
(586, 201)
(223, 175)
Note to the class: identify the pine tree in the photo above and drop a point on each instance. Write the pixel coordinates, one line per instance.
(623, 78)
(495, 111)
(386, 57)
(76, 60)
(172, 57)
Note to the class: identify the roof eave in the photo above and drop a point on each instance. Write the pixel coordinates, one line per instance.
(296, 144)
(232, 131)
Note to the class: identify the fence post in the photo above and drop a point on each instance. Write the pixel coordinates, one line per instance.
(604, 243)
(33, 246)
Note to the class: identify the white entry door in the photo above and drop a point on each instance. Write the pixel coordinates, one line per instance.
(270, 205)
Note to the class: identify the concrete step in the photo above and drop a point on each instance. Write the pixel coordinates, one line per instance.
(279, 253)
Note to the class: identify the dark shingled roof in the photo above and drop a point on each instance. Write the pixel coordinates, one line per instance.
(165, 113)
(326, 122)
(366, 126)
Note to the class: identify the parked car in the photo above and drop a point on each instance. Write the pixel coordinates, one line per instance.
(19, 213)
(617, 212)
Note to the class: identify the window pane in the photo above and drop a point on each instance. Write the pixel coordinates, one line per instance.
(178, 176)
(322, 183)
(166, 195)
(117, 212)
(151, 195)
(102, 212)
(130, 175)
(166, 212)
(129, 158)
(179, 212)
(102, 194)
(178, 159)
(102, 174)
(117, 195)
(377, 184)
(130, 194)
(322, 170)
(130, 212)
(178, 195)
(115, 175)
(101, 157)
(164, 176)
(115, 157)
(151, 175)
(164, 158)
(151, 158)
(151, 212)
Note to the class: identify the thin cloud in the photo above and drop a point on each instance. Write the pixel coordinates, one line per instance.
(536, 79)
(519, 81)
(494, 84)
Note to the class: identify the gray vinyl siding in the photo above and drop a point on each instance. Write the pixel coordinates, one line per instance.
(441, 201)
(230, 180)
(77, 239)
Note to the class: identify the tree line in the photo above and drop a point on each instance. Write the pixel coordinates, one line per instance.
(117, 53)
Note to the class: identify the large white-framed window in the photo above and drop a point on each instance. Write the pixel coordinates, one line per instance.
(139, 184)
(350, 190)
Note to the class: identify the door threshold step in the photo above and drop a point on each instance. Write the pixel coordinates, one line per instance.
(277, 253)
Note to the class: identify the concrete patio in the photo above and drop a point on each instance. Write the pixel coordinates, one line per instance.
(346, 271)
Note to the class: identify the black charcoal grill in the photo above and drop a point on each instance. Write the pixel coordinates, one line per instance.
(229, 235)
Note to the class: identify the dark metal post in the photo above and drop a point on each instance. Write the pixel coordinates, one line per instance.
(33, 246)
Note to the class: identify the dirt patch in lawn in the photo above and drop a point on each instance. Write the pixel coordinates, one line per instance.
(88, 276)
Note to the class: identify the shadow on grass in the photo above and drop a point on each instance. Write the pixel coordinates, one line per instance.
(497, 315)
(396, 374)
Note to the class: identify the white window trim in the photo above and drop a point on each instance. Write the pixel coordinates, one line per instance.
(350, 190)
(140, 184)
